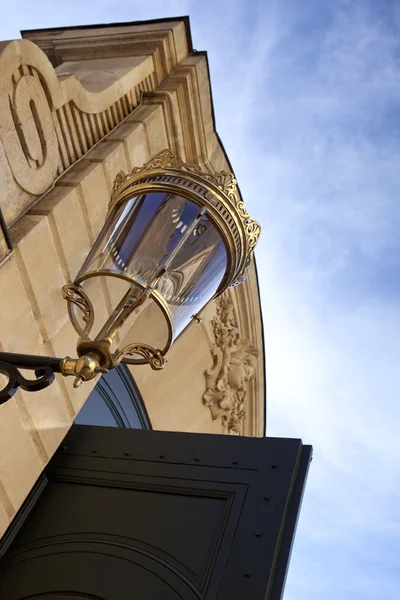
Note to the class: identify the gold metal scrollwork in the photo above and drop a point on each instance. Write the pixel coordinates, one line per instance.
(152, 356)
(120, 178)
(75, 295)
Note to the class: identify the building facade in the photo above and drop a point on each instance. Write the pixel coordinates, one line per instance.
(77, 106)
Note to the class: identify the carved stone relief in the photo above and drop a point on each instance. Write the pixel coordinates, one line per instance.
(31, 144)
(235, 362)
(47, 124)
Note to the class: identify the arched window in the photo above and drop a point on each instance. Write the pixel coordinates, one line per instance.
(115, 402)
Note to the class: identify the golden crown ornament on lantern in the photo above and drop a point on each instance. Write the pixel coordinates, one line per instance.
(218, 189)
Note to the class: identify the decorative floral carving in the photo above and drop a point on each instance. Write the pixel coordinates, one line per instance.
(235, 362)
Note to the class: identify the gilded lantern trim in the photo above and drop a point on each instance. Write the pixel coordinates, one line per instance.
(218, 191)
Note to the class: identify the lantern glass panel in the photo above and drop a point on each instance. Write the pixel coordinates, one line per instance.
(142, 237)
(195, 273)
(146, 324)
(139, 234)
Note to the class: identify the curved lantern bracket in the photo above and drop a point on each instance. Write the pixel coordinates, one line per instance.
(151, 356)
(44, 377)
(75, 295)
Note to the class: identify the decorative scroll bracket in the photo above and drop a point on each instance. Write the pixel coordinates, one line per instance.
(44, 378)
(150, 355)
(74, 294)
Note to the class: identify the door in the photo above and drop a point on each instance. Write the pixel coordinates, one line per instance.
(123, 514)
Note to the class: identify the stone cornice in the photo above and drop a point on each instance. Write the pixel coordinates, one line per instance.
(49, 120)
(165, 41)
(46, 124)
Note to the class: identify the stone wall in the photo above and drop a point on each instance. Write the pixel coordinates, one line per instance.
(64, 134)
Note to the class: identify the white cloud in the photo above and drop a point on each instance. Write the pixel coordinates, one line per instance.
(317, 156)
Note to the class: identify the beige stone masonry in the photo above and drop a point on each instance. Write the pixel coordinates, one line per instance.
(19, 331)
(4, 517)
(112, 156)
(89, 181)
(50, 118)
(152, 118)
(169, 395)
(248, 312)
(13, 199)
(102, 73)
(48, 414)
(42, 274)
(47, 124)
(20, 464)
(134, 134)
(65, 215)
(153, 95)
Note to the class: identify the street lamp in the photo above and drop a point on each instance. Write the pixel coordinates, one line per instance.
(175, 237)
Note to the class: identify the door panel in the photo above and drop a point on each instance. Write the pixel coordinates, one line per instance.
(146, 514)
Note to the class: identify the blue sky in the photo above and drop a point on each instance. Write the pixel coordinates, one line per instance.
(307, 98)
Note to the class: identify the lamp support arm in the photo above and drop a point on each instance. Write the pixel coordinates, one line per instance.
(82, 368)
(32, 362)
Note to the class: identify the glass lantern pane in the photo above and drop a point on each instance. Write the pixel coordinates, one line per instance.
(143, 236)
(147, 325)
(195, 273)
(139, 235)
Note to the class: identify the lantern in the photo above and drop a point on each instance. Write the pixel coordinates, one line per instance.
(175, 237)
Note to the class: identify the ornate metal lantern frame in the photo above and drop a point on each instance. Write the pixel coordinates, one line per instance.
(216, 196)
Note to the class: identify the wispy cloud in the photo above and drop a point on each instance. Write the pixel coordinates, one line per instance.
(313, 132)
